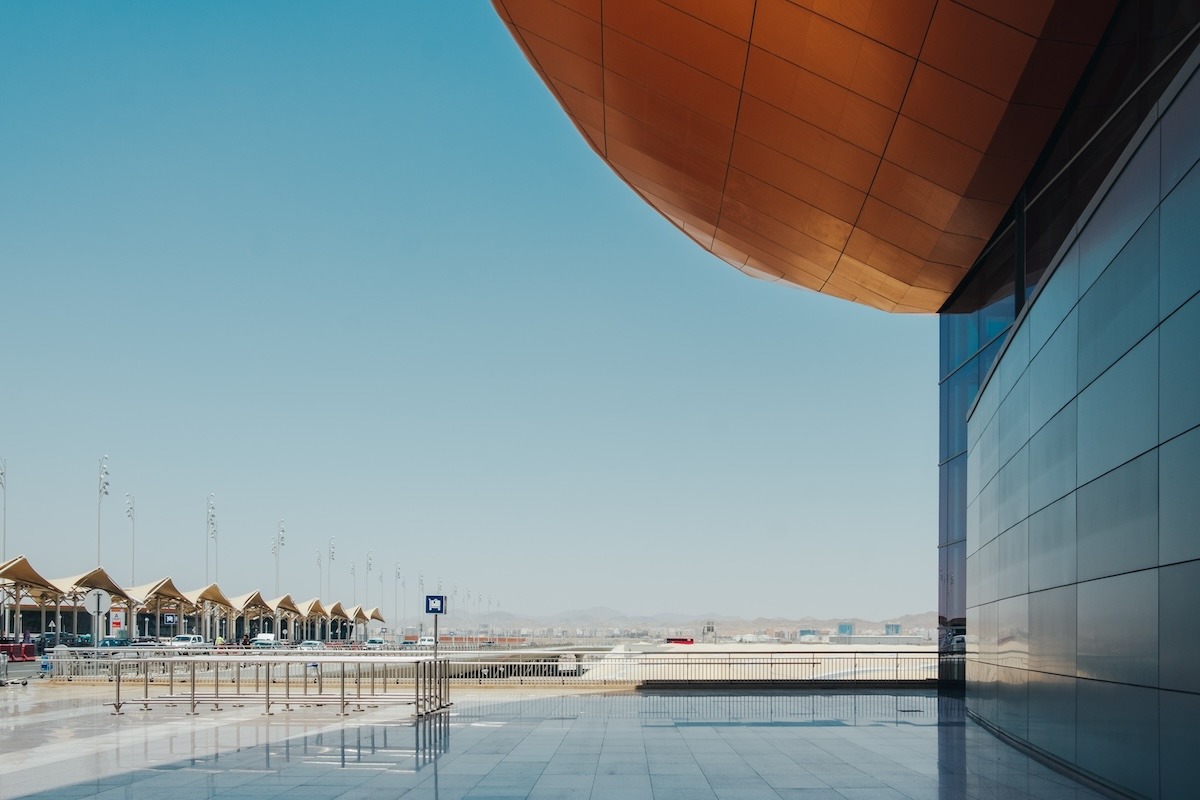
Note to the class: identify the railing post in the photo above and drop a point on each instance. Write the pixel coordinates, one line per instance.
(117, 704)
(192, 713)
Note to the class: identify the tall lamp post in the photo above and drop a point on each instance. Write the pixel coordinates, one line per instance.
(399, 622)
(420, 600)
(277, 542)
(132, 539)
(367, 579)
(101, 492)
(320, 580)
(210, 533)
(353, 583)
(329, 574)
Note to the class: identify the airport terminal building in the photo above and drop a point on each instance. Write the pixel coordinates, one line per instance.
(1026, 171)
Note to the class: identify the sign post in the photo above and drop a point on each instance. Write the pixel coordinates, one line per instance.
(435, 604)
(98, 602)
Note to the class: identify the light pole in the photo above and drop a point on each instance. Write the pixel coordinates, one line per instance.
(319, 580)
(132, 538)
(210, 532)
(277, 542)
(399, 622)
(101, 491)
(367, 579)
(353, 584)
(403, 603)
(329, 574)
(420, 601)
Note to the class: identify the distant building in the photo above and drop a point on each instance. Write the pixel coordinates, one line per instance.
(891, 628)
(845, 629)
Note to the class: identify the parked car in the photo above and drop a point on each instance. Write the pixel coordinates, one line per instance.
(375, 643)
(425, 641)
(188, 640)
(311, 644)
(267, 644)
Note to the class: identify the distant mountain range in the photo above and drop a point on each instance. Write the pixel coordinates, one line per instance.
(602, 617)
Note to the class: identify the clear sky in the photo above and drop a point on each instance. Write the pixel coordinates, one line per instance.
(349, 266)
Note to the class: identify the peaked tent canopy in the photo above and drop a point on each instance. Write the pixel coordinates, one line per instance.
(313, 608)
(158, 591)
(94, 579)
(211, 594)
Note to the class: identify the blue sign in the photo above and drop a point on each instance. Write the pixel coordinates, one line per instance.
(435, 604)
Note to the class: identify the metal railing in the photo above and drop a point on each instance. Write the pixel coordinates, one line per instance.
(272, 680)
(358, 679)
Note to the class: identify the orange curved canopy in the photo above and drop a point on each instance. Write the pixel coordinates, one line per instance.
(866, 150)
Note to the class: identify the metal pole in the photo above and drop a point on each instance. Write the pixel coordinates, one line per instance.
(102, 490)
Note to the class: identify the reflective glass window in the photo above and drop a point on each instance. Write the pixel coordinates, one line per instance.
(952, 601)
(1014, 561)
(1179, 267)
(1179, 627)
(1117, 638)
(988, 557)
(1052, 625)
(1014, 420)
(1180, 145)
(1126, 206)
(1052, 545)
(952, 522)
(1179, 498)
(958, 392)
(1013, 491)
(1014, 360)
(1118, 520)
(1054, 301)
(1180, 740)
(959, 340)
(1121, 306)
(1118, 413)
(1052, 712)
(1052, 459)
(1179, 363)
(1117, 734)
(1052, 382)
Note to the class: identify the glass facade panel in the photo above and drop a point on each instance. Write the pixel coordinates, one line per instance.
(1052, 545)
(1179, 499)
(1052, 376)
(1013, 419)
(1013, 490)
(1180, 365)
(1052, 628)
(1118, 520)
(1179, 277)
(1012, 634)
(952, 522)
(1179, 627)
(1126, 206)
(1180, 146)
(1052, 460)
(1117, 734)
(1014, 561)
(1118, 413)
(1179, 739)
(957, 393)
(1052, 714)
(1055, 300)
(1118, 640)
(1121, 306)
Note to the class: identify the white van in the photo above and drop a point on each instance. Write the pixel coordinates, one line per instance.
(188, 640)
(425, 641)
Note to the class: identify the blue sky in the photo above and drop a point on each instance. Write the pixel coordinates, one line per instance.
(350, 266)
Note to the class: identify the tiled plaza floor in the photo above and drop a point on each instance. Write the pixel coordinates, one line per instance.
(500, 745)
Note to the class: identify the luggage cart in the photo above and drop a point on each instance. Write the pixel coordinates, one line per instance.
(4, 679)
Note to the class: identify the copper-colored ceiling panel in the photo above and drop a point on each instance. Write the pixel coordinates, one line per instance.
(773, 202)
(731, 16)
(692, 129)
(1029, 18)
(953, 107)
(822, 46)
(934, 156)
(807, 143)
(830, 107)
(898, 227)
(671, 78)
(865, 149)
(900, 24)
(940, 277)
(914, 195)
(978, 50)
(557, 23)
(811, 185)
(584, 108)
(680, 36)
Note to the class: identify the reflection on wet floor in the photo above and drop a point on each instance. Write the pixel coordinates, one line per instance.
(835, 746)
